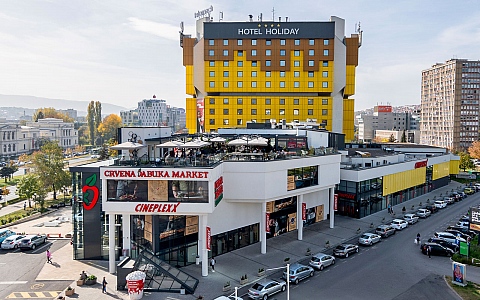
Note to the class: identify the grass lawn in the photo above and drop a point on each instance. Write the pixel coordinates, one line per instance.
(469, 292)
(17, 215)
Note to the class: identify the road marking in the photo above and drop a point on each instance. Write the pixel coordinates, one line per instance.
(13, 282)
(34, 295)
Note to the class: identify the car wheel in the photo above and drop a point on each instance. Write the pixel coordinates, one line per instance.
(356, 250)
(333, 262)
(296, 281)
(15, 247)
(265, 297)
(321, 268)
(33, 247)
(346, 255)
(283, 288)
(311, 274)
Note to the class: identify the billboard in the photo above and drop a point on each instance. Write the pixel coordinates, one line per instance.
(200, 115)
(459, 272)
(474, 219)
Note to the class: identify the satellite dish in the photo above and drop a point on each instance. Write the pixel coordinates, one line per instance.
(181, 27)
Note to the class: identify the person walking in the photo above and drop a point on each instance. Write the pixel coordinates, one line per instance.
(49, 256)
(24, 205)
(104, 285)
(429, 251)
(418, 238)
(212, 264)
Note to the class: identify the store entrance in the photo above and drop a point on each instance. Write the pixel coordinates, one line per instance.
(348, 208)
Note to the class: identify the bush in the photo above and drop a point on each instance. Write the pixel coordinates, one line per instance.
(92, 277)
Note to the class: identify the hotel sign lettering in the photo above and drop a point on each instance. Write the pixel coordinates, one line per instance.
(268, 31)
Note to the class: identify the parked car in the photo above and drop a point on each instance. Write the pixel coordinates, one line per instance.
(463, 224)
(449, 237)
(459, 233)
(344, 250)
(463, 195)
(465, 218)
(4, 233)
(440, 204)
(432, 208)
(321, 260)
(463, 229)
(385, 230)
(298, 272)
(449, 200)
(399, 224)
(12, 242)
(264, 288)
(444, 243)
(423, 213)
(32, 241)
(469, 191)
(457, 196)
(436, 249)
(410, 218)
(228, 298)
(369, 239)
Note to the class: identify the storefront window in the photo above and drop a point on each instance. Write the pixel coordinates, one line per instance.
(302, 177)
(281, 216)
(234, 239)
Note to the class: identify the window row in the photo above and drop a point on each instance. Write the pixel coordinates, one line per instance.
(268, 42)
(268, 63)
(268, 52)
(268, 84)
(268, 101)
(268, 74)
(241, 121)
(268, 111)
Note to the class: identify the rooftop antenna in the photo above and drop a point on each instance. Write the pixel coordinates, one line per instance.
(273, 14)
(261, 17)
(220, 16)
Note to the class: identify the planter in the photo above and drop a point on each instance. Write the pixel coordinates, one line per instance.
(69, 292)
(80, 282)
(243, 281)
(260, 274)
(90, 281)
(227, 288)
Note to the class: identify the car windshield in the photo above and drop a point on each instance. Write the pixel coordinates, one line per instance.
(340, 247)
(315, 259)
(364, 236)
(257, 287)
(8, 240)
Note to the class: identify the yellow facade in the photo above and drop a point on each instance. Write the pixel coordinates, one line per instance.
(348, 119)
(454, 166)
(403, 180)
(191, 108)
(190, 88)
(350, 80)
(441, 170)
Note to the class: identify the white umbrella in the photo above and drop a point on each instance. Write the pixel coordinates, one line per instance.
(192, 144)
(237, 142)
(258, 142)
(128, 146)
(169, 144)
(218, 139)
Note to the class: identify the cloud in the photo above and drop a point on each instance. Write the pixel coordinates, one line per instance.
(163, 30)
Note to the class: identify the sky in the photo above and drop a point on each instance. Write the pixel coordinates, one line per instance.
(121, 52)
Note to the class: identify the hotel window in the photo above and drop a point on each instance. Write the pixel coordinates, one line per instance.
(240, 84)
(225, 100)
(325, 84)
(324, 101)
(211, 42)
(225, 63)
(239, 74)
(282, 73)
(310, 112)
(211, 84)
(239, 111)
(211, 52)
(225, 73)
(268, 42)
(268, 84)
(325, 63)
(212, 74)
(225, 84)
(325, 73)
(239, 121)
(296, 101)
(268, 74)
(254, 63)
(325, 42)
(239, 42)
(310, 84)
(282, 42)
(297, 42)
(212, 111)
(296, 84)
(225, 111)
(212, 121)
(254, 52)
(240, 63)
(254, 111)
(281, 111)
(296, 63)
(311, 42)
(212, 101)
(268, 111)
(254, 84)
(282, 63)
(325, 52)
(268, 52)
(296, 74)
(212, 63)
(282, 101)
(254, 42)
(283, 52)
(295, 112)
(225, 52)
(311, 63)
(268, 63)
(282, 84)
(296, 53)
(310, 73)
(311, 52)
(240, 53)
(225, 42)
(268, 101)
(310, 101)
(254, 101)
(254, 73)
(225, 121)
(240, 101)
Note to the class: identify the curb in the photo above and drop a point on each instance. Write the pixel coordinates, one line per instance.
(450, 287)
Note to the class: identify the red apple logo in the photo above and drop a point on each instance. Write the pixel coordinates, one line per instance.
(90, 192)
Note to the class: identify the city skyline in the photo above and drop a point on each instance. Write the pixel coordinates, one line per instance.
(115, 52)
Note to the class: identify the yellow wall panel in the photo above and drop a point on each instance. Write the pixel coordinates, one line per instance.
(403, 180)
(454, 166)
(441, 170)
(348, 119)
(191, 115)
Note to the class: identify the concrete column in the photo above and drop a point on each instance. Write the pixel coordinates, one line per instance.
(331, 207)
(111, 243)
(263, 229)
(127, 244)
(203, 223)
(299, 217)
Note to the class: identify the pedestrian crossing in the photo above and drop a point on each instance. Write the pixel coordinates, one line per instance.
(34, 295)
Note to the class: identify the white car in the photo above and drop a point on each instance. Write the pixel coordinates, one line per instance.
(410, 218)
(423, 213)
(399, 224)
(12, 242)
(440, 204)
(463, 224)
(369, 239)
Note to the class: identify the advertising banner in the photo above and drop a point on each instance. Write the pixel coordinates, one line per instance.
(474, 219)
(209, 238)
(304, 211)
(459, 273)
(267, 219)
(464, 248)
(335, 202)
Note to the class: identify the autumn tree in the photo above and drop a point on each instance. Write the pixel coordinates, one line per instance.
(108, 128)
(465, 161)
(474, 150)
(49, 112)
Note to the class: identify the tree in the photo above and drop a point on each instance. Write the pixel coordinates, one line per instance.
(98, 120)
(403, 138)
(49, 167)
(474, 150)
(50, 112)
(91, 121)
(38, 115)
(392, 138)
(108, 128)
(7, 171)
(28, 186)
(466, 161)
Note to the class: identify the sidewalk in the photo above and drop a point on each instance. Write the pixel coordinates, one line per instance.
(230, 266)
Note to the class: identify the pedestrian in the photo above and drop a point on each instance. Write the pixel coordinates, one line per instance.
(429, 251)
(104, 285)
(24, 205)
(49, 256)
(418, 238)
(212, 264)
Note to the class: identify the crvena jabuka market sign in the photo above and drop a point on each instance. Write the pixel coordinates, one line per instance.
(168, 174)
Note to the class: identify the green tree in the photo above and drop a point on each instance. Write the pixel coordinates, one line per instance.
(49, 167)
(391, 139)
(91, 121)
(403, 138)
(466, 161)
(28, 186)
(7, 171)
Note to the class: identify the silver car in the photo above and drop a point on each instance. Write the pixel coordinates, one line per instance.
(423, 213)
(369, 239)
(266, 287)
(12, 242)
(298, 272)
(321, 260)
(32, 241)
(344, 250)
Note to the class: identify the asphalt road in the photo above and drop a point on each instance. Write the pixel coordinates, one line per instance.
(395, 268)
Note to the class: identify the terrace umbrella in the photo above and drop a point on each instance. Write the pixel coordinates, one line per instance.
(218, 139)
(169, 144)
(238, 142)
(131, 146)
(258, 142)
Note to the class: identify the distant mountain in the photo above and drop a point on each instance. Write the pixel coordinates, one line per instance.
(33, 102)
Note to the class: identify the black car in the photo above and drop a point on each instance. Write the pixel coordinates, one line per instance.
(436, 249)
(444, 243)
(459, 233)
(464, 230)
(432, 208)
